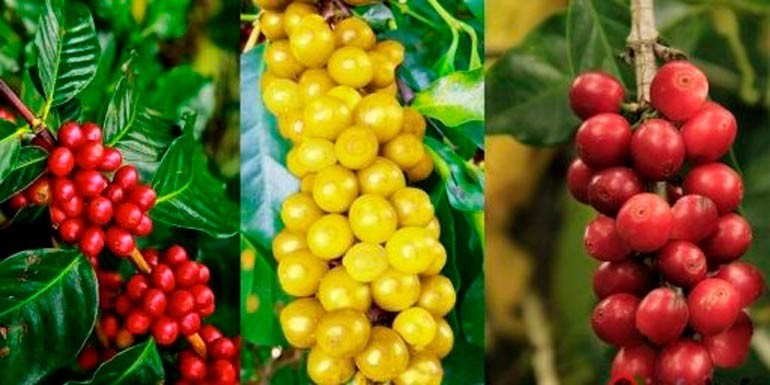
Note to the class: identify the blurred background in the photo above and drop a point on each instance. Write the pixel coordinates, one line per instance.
(538, 294)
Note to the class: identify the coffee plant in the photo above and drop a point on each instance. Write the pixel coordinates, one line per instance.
(362, 192)
(117, 229)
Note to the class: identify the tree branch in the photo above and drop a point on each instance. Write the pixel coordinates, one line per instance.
(642, 40)
(543, 362)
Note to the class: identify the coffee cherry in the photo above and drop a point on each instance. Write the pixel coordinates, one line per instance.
(613, 320)
(644, 222)
(714, 306)
(602, 241)
(625, 276)
(120, 242)
(154, 302)
(187, 273)
(126, 177)
(224, 371)
(138, 322)
(92, 132)
(114, 193)
(611, 188)
(137, 286)
(189, 323)
(192, 367)
(99, 211)
(91, 241)
(603, 141)
(593, 93)
(695, 218)
(662, 316)
(143, 196)
(709, 134)
(682, 263)
(165, 331)
(175, 255)
(57, 216)
(18, 202)
(123, 305)
(684, 362)
(730, 348)
(109, 325)
(39, 192)
(385, 356)
(144, 228)
(71, 230)
(162, 277)
(89, 155)
(657, 150)
(181, 302)
(90, 183)
(745, 278)
(88, 359)
(578, 177)
(203, 295)
(111, 159)
(63, 190)
(718, 182)
(730, 240)
(70, 135)
(128, 216)
(223, 348)
(73, 207)
(61, 161)
(637, 362)
(678, 90)
(210, 333)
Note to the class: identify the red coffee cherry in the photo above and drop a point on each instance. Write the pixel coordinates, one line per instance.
(39, 192)
(71, 135)
(595, 92)
(662, 316)
(138, 322)
(204, 297)
(162, 277)
(730, 348)
(709, 134)
(165, 331)
(714, 305)
(613, 320)
(111, 159)
(18, 202)
(73, 207)
(114, 193)
(7, 115)
(730, 241)
(90, 183)
(181, 303)
(223, 348)
(718, 182)
(578, 177)
(636, 362)
(223, 371)
(678, 90)
(611, 188)
(187, 273)
(657, 150)
(137, 286)
(63, 190)
(88, 359)
(109, 325)
(154, 302)
(745, 278)
(192, 367)
(144, 228)
(61, 161)
(123, 305)
(57, 216)
(682, 263)
(91, 241)
(92, 132)
(603, 141)
(644, 222)
(209, 333)
(89, 155)
(189, 323)
(601, 240)
(120, 242)
(626, 276)
(695, 218)
(126, 177)
(143, 196)
(175, 255)
(204, 274)
(71, 230)
(684, 362)
(99, 211)
(128, 216)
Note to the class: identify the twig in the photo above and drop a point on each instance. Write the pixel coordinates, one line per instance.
(642, 40)
(539, 336)
(43, 137)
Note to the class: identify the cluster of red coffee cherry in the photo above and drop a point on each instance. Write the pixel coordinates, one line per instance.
(672, 294)
(221, 366)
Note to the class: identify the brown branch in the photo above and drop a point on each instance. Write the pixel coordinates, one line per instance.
(642, 40)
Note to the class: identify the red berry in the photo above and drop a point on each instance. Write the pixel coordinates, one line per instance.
(181, 302)
(73, 207)
(682, 263)
(18, 202)
(99, 211)
(203, 295)
(151, 256)
(657, 150)
(730, 348)
(207, 311)
(578, 177)
(91, 241)
(695, 218)
(144, 228)
(187, 273)
(602, 242)
(61, 161)
(613, 320)
(111, 159)
(662, 316)
(63, 190)
(92, 132)
(137, 286)
(730, 240)
(138, 322)
(71, 230)
(684, 362)
(39, 192)
(162, 277)
(120, 242)
(57, 216)
(637, 362)
(603, 141)
(165, 331)
(718, 182)
(223, 371)
(88, 359)
(595, 92)
(175, 255)
(678, 90)
(714, 305)
(709, 134)
(144, 196)
(89, 155)
(611, 188)
(123, 305)
(109, 325)
(7, 115)
(209, 333)
(627, 276)
(644, 222)
(189, 323)
(745, 278)
(223, 348)
(114, 193)
(90, 183)
(70, 135)
(192, 367)
(128, 216)
(204, 274)
(154, 302)
(126, 177)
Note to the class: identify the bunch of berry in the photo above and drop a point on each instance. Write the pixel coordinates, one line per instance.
(672, 294)
(359, 247)
(220, 367)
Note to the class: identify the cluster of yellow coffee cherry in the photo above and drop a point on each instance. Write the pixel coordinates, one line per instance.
(360, 248)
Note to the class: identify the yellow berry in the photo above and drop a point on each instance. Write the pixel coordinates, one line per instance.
(356, 147)
(306, 185)
(324, 369)
(351, 66)
(434, 227)
(354, 32)
(416, 326)
(282, 97)
(330, 236)
(413, 207)
(439, 260)
(422, 170)
(395, 291)
(300, 273)
(338, 290)
(343, 333)
(293, 163)
(414, 123)
(383, 72)
(266, 79)
(294, 14)
(312, 41)
(271, 4)
(291, 126)
(359, 379)
(382, 177)
(444, 341)
(271, 24)
(299, 211)
(382, 114)
(385, 357)
(315, 154)
(372, 218)
(348, 95)
(335, 188)
(438, 295)
(365, 262)
(314, 83)
(280, 61)
(406, 150)
(326, 117)
(424, 369)
(287, 242)
(299, 320)
(411, 250)
(394, 50)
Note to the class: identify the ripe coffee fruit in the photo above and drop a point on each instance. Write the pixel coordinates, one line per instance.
(613, 320)
(602, 240)
(684, 362)
(593, 93)
(682, 263)
(718, 182)
(730, 348)
(657, 150)
(714, 306)
(662, 316)
(644, 222)
(695, 218)
(679, 90)
(611, 188)
(745, 278)
(603, 141)
(709, 134)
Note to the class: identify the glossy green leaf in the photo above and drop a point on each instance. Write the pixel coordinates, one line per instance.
(11, 47)
(29, 165)
(464, 182)
(261, 295)
(477, 8)
(68, 50)
(454, 99)
(139, 364)
(48, 306)
(168, 18)
(29, 12)
(182, 89)
(10, 144)
(472, 312)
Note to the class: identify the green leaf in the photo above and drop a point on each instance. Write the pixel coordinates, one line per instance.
(28, 12)
(464, 182)
(11, 47)
(261, 295)
(68, 50)
(29, 165)
(378, 16)
(139, 364)
(454, 99)
(527, 89)
(48, 306)
(472, 312)
(477, 8)
(168, 18)
(10, 144)
(183, 89)
(189, 196)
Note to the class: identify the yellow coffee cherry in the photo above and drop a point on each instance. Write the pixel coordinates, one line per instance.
(372, 218)
(382, 177)
(282, 97)
(315, 154)
(271, 25)
(414, 123)
(385, 357)
(390, 90)
(300, 272)
(416, 326)
(287, 242)
(422, 170)
(326, 117)
(306, 185)
(365, 262)
(338, 290)
(354, 32)
(384, 70)
(351, 66)
(411, 250)
(437, 295)
(299, 321)
(335, 188)
(347, 94)
(424, 369)
(413, 207)
(324, 369)
(312, 41)
(314, 83)
(294, 14)
(271, 4)
(434, 227)
(406, 150)
(280, 61)
(444, 341)
(291, 126)
(299, 211)
(293, 163)
(266, 79)
(395, 291)
(393, 49)
(382, 114)
(359, 379)
(330, 236)
(439, 260)
(356, 147)
(343, 333)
